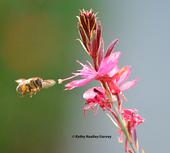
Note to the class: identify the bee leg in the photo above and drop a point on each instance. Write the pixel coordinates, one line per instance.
(38, 89)
(31, 93)
(23, 94)
(34, 91)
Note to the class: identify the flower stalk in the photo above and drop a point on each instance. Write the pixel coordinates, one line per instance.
(122, 123)
(113, 80)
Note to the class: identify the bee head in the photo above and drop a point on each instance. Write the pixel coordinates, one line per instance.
(39, 82)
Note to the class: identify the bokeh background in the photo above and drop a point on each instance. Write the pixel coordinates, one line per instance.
(38, 38)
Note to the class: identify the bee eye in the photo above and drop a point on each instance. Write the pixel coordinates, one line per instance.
(38, 82)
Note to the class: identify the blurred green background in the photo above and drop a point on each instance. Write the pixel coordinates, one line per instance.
(38, 38)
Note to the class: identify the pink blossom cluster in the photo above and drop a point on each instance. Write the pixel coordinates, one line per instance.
(113, 80)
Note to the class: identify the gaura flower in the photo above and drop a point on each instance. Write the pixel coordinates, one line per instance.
(88, 73)
(132, 120)
(116, 80)
(96, 97)
(105, 65)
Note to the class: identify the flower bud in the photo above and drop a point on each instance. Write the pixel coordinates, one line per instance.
(87, 24)
(91, 35)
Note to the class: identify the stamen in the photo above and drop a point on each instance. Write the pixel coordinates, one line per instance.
(83, 65)
(80, 63)
(62, 80)
(90, 65)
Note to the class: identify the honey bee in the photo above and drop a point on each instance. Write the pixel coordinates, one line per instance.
(32, 85)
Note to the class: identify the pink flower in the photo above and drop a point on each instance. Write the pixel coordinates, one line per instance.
(116, 81)
(88, 73)
(132, 120)
(96, 97)
(118, 76)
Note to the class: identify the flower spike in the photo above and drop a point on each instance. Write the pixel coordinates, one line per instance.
(109, 96)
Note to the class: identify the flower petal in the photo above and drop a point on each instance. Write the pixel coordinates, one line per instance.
(128, 84)
(77, 83)
(86, 71)
(92, 92)
(108, 63)
(113, 88)
(124, 74)
(111, 47)
(113, 71)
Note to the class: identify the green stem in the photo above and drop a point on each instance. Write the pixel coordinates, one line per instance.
(123, 126)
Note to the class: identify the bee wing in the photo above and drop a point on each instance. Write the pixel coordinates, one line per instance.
(48, 83)
(19, 80)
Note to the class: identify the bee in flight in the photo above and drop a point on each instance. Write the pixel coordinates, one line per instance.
(32, 85)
